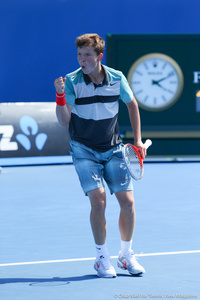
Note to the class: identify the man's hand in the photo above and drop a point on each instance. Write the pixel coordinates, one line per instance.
(142, 149)
(60, 85)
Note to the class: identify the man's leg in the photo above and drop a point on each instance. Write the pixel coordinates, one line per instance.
(98, 223)
(97, 215)
(127, 214)
(126, 258)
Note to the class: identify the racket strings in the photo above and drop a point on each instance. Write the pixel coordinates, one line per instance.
(133, 162)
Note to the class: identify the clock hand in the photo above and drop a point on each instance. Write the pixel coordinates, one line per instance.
(158, 84)
(156, 81)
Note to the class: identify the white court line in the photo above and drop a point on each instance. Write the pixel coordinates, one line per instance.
(92, 258)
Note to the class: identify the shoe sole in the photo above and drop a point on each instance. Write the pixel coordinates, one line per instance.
(106, 276)
(121, 266)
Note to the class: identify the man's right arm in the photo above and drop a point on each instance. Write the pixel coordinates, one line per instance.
(63, 112)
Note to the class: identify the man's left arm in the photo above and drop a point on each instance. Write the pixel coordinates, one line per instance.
(134, 116)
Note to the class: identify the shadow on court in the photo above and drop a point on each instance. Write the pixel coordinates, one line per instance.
(53, 281)
(56, 280)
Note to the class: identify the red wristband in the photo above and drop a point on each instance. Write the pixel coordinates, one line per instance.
(60, 99)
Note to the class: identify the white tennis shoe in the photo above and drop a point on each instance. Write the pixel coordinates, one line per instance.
(129, 262)
(104, 268)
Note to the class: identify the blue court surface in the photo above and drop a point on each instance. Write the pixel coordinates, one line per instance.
(47, 249)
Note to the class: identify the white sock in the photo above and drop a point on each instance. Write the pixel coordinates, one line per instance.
(101, 250)
(126, 247)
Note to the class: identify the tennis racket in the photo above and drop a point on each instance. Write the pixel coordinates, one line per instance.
(133, 159)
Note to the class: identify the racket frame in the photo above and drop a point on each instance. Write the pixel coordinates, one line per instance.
(147, 144)
(140, 160)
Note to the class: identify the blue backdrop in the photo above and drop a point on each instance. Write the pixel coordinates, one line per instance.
(38, 36)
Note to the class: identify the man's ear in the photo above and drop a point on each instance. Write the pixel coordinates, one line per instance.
(100, 56)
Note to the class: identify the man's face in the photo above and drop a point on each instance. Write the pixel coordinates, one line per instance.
(88, 59)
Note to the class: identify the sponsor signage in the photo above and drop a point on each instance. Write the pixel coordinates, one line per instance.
(31, 129)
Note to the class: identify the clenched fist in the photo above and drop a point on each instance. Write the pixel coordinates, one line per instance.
(60, 85)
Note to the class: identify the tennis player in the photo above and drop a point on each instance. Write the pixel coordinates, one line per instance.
(88, 100)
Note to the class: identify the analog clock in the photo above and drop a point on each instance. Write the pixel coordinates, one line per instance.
(156, 81)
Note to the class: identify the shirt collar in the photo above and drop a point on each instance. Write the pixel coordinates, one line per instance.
(105, 81)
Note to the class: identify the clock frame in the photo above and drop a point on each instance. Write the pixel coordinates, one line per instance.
(149, 99)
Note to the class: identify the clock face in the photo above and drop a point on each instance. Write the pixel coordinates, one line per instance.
(156, 81)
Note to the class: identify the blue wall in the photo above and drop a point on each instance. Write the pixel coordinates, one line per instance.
(38, 36)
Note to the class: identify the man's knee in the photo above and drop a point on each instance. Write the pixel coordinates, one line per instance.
(98, 200)
(126, 200)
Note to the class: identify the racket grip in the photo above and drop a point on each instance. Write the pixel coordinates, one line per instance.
(147, 143)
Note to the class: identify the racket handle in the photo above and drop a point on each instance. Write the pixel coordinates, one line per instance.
(147, 143)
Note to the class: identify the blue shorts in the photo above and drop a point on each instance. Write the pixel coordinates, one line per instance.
(94, 167)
